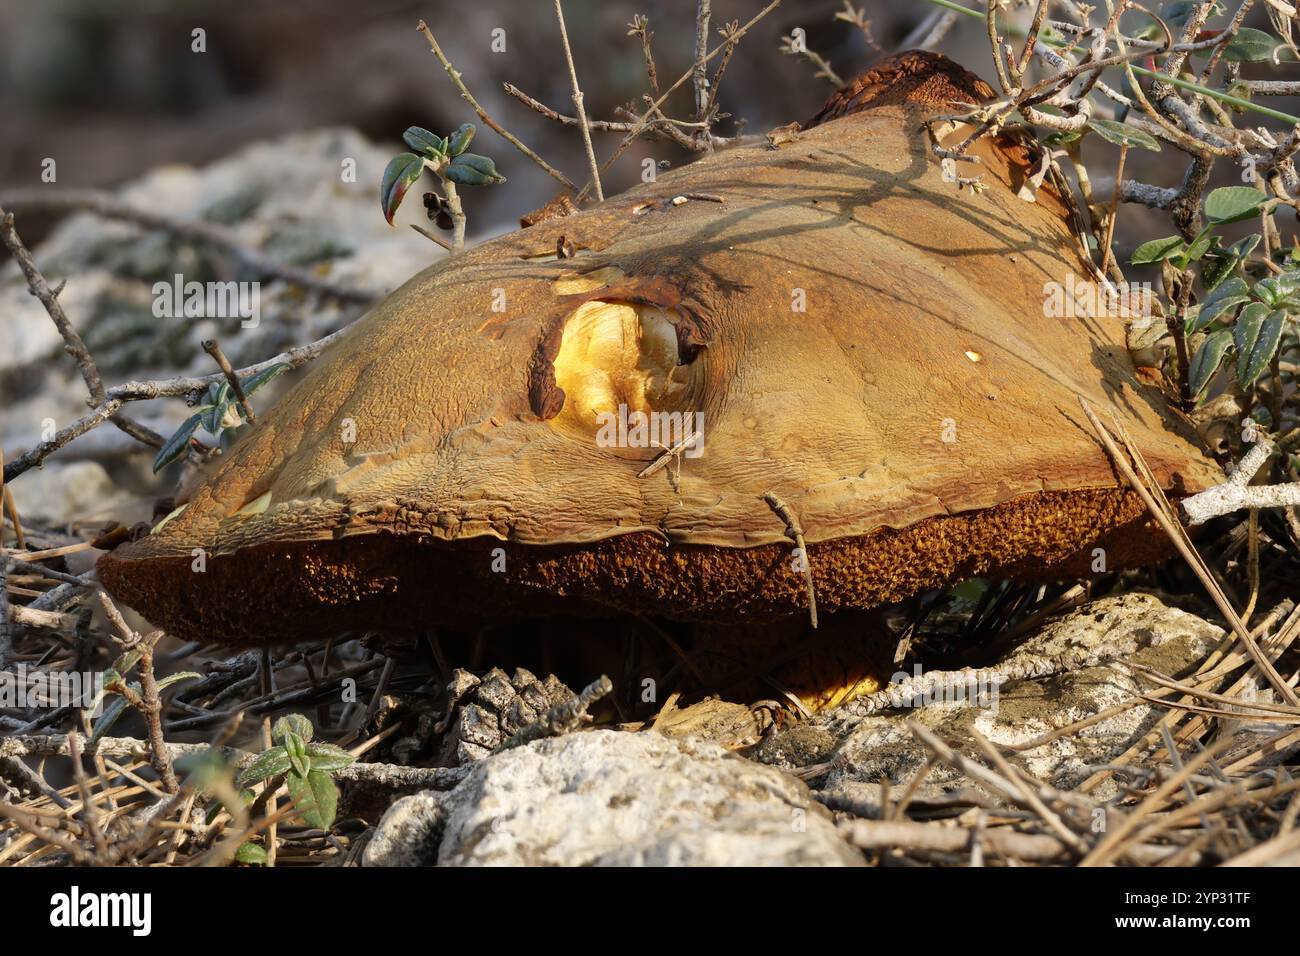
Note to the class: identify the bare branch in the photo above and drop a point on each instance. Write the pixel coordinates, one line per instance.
(577, 103)
(1238, 493)
(492, 124)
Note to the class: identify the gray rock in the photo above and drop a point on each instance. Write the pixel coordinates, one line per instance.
(607, 798)
(880, 747)
(79, 490)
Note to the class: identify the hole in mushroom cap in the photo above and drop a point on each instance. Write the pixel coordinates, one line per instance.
(616, 354)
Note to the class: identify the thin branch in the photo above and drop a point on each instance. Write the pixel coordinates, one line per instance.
(457, 212)
(646, 118)
(703, 11)
(488, 121)
(431, 237)
(824, 70)
(795, 533)
(31, 459)
(1178, 537)
(183, 385)
(662, 126)
(940, 30)
(1237, 492)
(387, 775)
(727, 32)
(72, 341)
(187, 384)
(1114, 212)
(640, 27)
(577, 101)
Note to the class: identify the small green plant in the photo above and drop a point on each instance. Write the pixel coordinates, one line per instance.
(1240, 318)
(446, 158)
(126, 693)
(217, 413)
(305, 766)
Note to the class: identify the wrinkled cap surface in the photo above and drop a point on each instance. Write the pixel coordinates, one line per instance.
(846, 329)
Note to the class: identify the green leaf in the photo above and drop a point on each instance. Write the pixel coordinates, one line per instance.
(176, 679)
(458, 141)
(1245, 332)
(1211, 310)
(251, 854)
(176, 446)
(470, 169)
(1233, 287)
(1267, 291)
(1249, 46)
(292, 724)
(297, 750)
(402, 171)
(1275, 290)
(1199, 247)
(254, 382)
(1120, 134)
(1233, 204)
(1216, 268)
(113, 711)
(1261, 352)
(315, 797)
(1228, 295)
(1207, 360)
(107, 718)
(1244, 247)
(1156, 250)
(1061, 138)
(327, 757)
(422, 141)
(269, 763)
(123, 665)
(213, 416)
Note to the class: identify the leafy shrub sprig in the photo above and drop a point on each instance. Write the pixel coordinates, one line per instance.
(1239, 319)
(447, 159)
(306, 767)
(217, 412)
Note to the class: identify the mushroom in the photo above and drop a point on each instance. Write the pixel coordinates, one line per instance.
(825, 339)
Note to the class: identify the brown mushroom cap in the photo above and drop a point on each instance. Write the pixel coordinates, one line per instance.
(920, 416)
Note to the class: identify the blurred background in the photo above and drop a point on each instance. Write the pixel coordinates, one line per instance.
(112, 89)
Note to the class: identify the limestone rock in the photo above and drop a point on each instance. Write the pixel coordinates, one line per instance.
(880, 747)
(613, 799)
